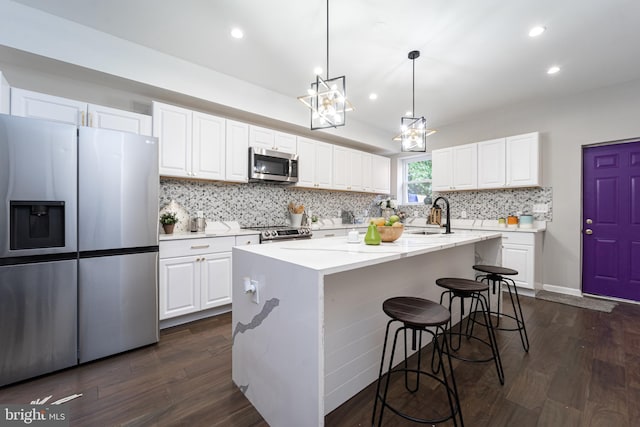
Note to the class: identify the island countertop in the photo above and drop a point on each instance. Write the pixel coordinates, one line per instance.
(335, 254)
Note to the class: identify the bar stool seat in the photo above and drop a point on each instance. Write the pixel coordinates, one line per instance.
(417, 315)
(462, 289)
(495, 275)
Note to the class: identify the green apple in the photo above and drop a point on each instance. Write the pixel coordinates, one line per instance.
(394, 218)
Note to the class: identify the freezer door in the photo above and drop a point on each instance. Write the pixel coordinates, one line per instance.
(38, 168)
(118, 304)
(38, 314)
(118, 190)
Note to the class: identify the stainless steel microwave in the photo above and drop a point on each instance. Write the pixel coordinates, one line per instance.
(272, 166)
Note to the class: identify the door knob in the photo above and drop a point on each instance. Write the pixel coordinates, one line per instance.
(588, 231)
(589, 221)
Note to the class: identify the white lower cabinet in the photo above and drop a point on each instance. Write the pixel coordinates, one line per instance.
(522, 252)
(195, 275)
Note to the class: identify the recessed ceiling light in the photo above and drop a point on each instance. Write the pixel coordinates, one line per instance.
(536, 31)
(553, 70)
(237, 33)
(373, 96)
(317, 71)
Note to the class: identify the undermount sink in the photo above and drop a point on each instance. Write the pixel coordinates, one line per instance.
(425, 232)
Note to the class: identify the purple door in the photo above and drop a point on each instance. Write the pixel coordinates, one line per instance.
(611, 221)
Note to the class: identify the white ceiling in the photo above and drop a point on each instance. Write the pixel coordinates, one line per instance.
(475, 54)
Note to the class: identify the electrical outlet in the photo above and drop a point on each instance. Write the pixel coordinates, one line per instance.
(540, 208)
(463, 214)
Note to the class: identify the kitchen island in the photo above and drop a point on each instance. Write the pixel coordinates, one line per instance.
(310, 336)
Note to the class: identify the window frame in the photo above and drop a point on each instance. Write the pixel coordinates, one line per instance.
(405, 175)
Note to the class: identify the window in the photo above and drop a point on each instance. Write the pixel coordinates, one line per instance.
(416, 184)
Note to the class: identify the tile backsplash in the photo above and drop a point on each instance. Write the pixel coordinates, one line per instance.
(266, 204)
(259, 204)
(492, 204)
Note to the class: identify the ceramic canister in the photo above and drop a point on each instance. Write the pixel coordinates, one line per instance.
(526, 221)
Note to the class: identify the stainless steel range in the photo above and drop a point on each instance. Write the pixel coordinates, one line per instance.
(282, 233)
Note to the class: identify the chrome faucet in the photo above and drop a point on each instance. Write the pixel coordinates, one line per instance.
(446, 202)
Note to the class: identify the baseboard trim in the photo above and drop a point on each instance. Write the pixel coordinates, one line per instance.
(191, 317)
(562, 290)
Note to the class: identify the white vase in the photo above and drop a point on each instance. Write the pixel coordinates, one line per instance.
(295, 219)
(387, 212)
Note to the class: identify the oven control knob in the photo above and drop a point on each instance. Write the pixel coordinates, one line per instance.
(265, 234)
(305, 231)
(274, 233)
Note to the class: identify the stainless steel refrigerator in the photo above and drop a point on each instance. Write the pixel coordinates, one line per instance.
(78, 245)
(117, 242)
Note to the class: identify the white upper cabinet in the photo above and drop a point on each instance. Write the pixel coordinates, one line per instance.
(523, 160)
(237, 151)
(355, 170)
(315, 164)
(208, 146)
(193, 144)
(37, 105)
(513, 161)
(380, 174)
(113, 118)
(441, 170)
(455, 168)
(5, 90)
(271, 139)
(367, 178)
(25, 103)
(348, 169)
(172, 126)
(491, 163)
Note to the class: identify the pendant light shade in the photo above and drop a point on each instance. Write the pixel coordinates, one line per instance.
(413, 130)
(327, 98)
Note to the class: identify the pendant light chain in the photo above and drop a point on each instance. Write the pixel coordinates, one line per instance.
(327, 39)
(413, 89)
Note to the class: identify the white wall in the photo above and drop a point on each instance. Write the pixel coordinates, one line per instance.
(566, 125)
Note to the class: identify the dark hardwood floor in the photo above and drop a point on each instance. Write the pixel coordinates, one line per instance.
(583, 369)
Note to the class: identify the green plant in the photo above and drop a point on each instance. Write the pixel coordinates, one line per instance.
(168, 218)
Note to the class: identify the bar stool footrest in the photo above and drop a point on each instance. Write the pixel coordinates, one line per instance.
(412, 418)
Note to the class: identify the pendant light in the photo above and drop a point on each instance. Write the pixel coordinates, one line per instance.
(413, 130)
(327, 98)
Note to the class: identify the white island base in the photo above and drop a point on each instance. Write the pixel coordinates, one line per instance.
(314, 338)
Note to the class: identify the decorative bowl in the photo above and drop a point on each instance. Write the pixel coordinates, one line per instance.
(390, 233)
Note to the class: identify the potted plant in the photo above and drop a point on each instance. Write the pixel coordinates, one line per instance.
(168, 221)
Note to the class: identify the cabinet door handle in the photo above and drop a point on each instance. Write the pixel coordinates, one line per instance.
(90, 120)
(199, 246)
(82, 118)
(329, 235)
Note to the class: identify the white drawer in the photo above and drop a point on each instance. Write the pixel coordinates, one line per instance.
(188, 247)
(253, 239)
(518, 238)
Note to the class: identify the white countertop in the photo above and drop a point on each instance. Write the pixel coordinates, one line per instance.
(456, 224)
(235, 232)
(213, 229)
(335, 254)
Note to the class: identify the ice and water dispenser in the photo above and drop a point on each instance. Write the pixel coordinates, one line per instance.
(36, 224)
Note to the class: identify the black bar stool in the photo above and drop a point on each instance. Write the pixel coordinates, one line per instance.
(495, 275)
(465, 288)
(417, 315)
